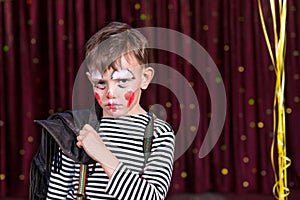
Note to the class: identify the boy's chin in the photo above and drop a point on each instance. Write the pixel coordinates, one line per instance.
(116, 113)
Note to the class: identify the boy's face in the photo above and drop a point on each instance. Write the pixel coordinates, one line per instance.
(118, 90)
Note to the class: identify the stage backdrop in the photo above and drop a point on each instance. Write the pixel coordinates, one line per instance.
(42, 48)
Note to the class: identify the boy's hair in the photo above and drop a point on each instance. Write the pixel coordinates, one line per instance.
(105, 48)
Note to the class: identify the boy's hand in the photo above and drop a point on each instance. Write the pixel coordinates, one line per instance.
(94, 146)
(90, 140)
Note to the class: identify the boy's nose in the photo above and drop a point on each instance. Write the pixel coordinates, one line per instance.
(110, 94)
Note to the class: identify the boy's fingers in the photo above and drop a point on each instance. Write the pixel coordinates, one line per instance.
(88, 127)
(79, 144)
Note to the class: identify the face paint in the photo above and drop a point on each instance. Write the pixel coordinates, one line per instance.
(129, 96)
(97, 96)
(122, 74)
(112, 106)
(109, 94)
(96, 76)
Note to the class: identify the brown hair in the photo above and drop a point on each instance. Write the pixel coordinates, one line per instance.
(116, 39)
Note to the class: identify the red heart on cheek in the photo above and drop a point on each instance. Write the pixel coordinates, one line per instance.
(129, 96)
(97, 96)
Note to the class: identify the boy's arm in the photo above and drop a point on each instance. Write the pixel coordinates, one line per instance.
(94, 146)
(155, 180)
(124, 184)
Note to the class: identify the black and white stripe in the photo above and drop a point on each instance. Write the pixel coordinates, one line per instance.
(124, 137)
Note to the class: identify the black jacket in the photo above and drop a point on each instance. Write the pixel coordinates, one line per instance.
(59, 133)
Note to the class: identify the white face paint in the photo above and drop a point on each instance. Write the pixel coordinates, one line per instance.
(118, 91)
(122, 74)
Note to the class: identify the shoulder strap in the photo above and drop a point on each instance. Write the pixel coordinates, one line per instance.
(148, 137)
(82, 181)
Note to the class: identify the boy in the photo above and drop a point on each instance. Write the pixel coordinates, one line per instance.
(116, 57)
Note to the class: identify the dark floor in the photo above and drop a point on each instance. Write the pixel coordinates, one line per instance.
(295, 195)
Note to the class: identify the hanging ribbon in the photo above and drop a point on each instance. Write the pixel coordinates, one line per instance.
(280, 189)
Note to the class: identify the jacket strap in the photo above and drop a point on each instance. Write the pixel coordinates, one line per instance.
(82, 181)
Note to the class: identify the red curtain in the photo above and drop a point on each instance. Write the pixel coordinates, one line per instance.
(42, 48)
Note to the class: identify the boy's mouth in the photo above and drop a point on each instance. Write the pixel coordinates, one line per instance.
(112, 105)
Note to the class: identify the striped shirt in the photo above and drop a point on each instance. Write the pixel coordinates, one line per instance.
(123, 136)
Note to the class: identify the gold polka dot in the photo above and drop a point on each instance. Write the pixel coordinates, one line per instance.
(176, 186)
(252, 124)
(208, 69)
(195, 150)
(296, 76)
(137, 6)
(22, 152)
(288, 110)
(168, 104)
(65, 37)
(28, 114)
(21, 177)
(59, 109)
(245, 184)
(224, 171)
(254, 170)
(226, 47)
(241, 69)
(260, 124)
(251, 101)
(263, 172)
(61, 22)
(241, 115)
(246, 159)
(51, 111)
(223, 147)
(33, 41)
(2, 177)
(243, 137)
(143, 17)
(192, 106)
(193, 128)
(174, 116)
(183, 174)
(271, 68)
(268, 111)
(170, 6)
(205, 27)
(30, 139)
(218, 80)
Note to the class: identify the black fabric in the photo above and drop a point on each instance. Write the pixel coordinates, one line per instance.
(59, 133)
(59, 130)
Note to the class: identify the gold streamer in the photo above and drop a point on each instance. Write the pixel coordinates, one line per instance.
(280, 189)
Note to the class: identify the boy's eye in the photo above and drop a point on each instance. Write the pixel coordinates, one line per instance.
(100, 85)
(123, 83)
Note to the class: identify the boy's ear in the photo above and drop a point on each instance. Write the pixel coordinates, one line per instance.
(147, 77)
